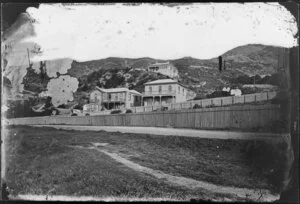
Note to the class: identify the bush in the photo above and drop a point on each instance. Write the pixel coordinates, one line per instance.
(217, 94)
(128, 111)
(115, 112)
(196, 106)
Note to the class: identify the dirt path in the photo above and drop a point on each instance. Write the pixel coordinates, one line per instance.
(172, 132)
(245, 193)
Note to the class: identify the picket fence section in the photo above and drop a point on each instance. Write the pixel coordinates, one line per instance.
(236, 117)
(213, 102)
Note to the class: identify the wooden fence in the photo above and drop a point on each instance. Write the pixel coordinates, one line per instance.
(231, 117)
(212, 102)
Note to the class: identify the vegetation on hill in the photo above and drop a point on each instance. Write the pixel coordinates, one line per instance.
(36, 82)
(243, 65)
(114, 77)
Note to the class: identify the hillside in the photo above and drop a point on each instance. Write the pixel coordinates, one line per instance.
(202, 76)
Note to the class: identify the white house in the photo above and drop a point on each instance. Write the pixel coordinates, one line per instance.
(165, 91)
(165, 68)
(114, 98)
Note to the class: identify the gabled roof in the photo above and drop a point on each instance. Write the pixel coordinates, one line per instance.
(162, 81)
(113, 90)
(135, 92)
(165, 81)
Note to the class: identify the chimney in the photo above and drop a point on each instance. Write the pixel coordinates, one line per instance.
(220, 63)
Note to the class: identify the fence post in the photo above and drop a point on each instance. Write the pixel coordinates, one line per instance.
(255, 98)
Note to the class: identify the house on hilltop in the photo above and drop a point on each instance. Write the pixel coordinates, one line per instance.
(165, 91)
(165, 68)
(114, 98)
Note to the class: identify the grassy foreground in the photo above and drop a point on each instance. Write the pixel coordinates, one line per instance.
(40, 162)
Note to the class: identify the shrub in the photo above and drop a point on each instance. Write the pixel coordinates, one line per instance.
(115, 112)
(128, 111)
(196, 106)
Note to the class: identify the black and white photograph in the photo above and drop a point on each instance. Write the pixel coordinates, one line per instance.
(194, 102)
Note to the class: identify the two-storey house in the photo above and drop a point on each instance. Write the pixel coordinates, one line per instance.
(114, 98)
(165, 68)
(165, 91)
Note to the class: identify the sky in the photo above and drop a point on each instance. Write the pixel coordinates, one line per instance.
(201, 30)
(84, 32)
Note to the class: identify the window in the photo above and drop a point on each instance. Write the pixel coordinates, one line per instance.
(109, 96)
(129, 97)
(150, 89)
(178, 89)
(159, 89)
(116, 97)
(170, 87)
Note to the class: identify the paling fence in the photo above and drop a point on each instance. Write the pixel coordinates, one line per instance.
(231, 117)
(213, 102)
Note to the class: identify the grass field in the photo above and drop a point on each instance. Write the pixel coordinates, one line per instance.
(40, 161)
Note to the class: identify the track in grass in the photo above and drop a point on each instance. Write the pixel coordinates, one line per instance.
(249, 194)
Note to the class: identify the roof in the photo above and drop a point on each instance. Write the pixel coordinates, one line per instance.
(112, 90)
(162, 81)
(165, 81)
(135, 92)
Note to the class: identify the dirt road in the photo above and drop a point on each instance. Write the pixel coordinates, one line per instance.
(172, 132)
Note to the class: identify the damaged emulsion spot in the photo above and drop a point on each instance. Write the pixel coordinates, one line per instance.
(61, 89)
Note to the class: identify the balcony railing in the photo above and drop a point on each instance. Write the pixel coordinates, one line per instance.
(162, 92)
(114, 100)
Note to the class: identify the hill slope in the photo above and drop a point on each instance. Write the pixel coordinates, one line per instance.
(199, 75)
(202, 76)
